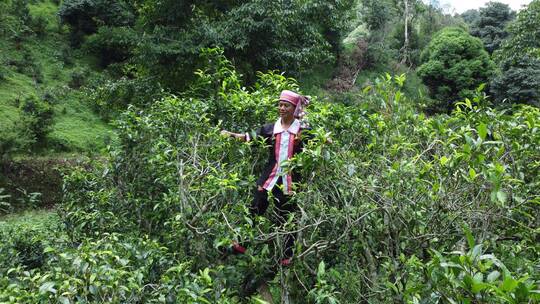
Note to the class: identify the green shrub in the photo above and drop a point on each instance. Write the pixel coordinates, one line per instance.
(66, 55)
(29, 249)
(518, 81)
(85, 16)
(454, 65)
(39, 24)
(110, 97)
(112, 44)
(14, 138)
(20, 9)
(519, 60)
(37, 117)
(78, 78)
(470, 276)
(23, 243)
(116, 269)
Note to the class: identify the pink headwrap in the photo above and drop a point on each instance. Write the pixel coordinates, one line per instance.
(296, 99)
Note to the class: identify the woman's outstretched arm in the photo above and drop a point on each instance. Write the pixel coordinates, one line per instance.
(239, 136)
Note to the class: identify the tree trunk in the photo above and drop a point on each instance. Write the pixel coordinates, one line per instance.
(405, 47)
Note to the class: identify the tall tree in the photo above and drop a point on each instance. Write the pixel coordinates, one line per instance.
(409, 10)
(256, 35)
(470, 16)
(491, 23)
(519, 59)
(379, 17)
(455, 64)
(405, 49)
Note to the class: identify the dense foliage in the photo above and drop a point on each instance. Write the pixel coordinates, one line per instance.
(491, 24)
(37, 118)
(400, 206)
(256, 35)
(455, 63)
(400, 30)
(86, 16)
(519, 60)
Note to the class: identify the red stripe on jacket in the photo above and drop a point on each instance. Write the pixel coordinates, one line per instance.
(276, 166)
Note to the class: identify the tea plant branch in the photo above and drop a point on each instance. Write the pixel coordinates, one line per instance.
(197, 230)
(227, 222)
(298, 278)
(318, 245)
(264, 237)
(202, 210)
(322, 244)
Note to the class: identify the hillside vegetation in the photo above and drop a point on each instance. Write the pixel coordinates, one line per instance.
(401, 207)
(41, 76)
(420, 176)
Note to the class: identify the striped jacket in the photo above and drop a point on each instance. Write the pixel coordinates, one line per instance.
(283, 145)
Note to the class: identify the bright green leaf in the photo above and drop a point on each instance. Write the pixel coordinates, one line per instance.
(509, 283)
(482, 130)
(472, 173)
(501, 196)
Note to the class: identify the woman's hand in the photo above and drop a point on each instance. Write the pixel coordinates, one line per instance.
(235, 135)
(226, 133)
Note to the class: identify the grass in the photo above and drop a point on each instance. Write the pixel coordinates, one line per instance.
(30, 218)
(81, 131)
(47, 10)
(9, 115)
(76, 126)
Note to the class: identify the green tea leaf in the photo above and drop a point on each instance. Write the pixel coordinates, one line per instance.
(509, 283)
(494, 275)
(469, 236)
(321, 270)
(501, 196)
(472, 173)
(64, 300)
(443, 160)
(47, 287)
(482, 131)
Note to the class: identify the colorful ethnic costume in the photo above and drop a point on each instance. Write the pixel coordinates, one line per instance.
(284, 144)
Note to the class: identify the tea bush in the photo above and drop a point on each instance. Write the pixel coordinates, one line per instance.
(111, 97)
(37, 117)
(387, 211)
(14, 140)
(115, 268)
(23, 242)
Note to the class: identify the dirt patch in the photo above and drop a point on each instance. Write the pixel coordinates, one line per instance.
(21, 178)
(348, 69)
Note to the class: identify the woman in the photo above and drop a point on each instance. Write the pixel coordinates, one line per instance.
(285, 138)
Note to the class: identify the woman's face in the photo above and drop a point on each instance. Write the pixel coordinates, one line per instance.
(286, 109)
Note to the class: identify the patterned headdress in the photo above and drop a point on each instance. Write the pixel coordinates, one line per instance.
(296, 99)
